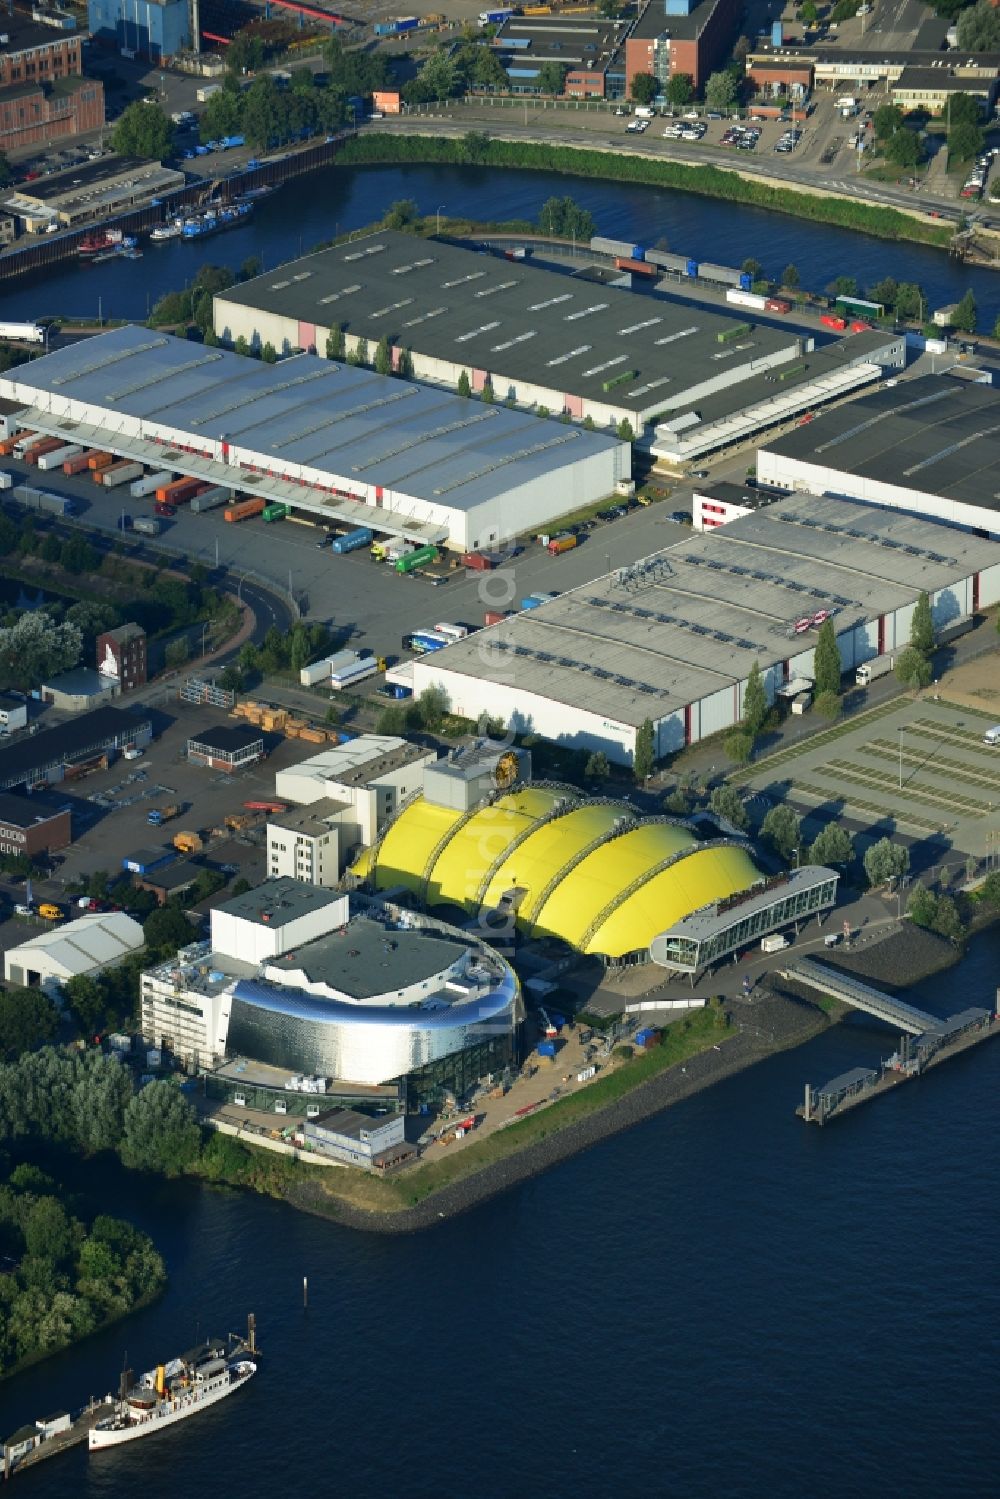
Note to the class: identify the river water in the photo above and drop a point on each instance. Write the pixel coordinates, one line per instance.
(330, 201)
(719, 1302)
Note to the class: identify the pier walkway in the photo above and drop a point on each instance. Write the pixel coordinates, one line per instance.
(852, 991)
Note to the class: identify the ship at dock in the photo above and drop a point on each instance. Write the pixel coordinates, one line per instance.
(171, 1392)
(213, 220)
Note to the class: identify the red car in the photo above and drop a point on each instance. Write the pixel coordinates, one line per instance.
(163, 509)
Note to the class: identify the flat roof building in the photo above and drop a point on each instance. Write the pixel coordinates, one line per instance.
(54, 754)
(674, 637)
(334, 442)
(930, 446)
(95, 190)
(539, 337)
(29, 827)
(590, 48)
(672, 37)
(226, 747)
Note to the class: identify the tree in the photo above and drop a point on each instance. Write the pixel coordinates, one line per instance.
(563, 218)
(826, 660)
(404, 368)
(262, 113)
(143, 130)
(790, 277)
(245, 54)
(222, 115)
(28, 1019)
(781, 831)
(755, 704)
(434, 704)
(269, 354)
(885, 291)
(845, 286)
(487, 395)
(922, 906)
(383, 356)
(437, 79)
(644, 755)
(922, 626)
(597, 768)
(464, 387)
(335, 343)
(726, 802)
(887, 119)
(644, 88)
(160, 1130)
(610, 9)
(36, 648)
(828, 705)
(910, 301)
(979, 28)
(913, 668)
(903, 149)
(738, 746)
(167, 929)
(964, 141)
(808, 13)
(400, 214)
(551, 78)
(834, 845)
(964, 316)
(720, 91)
(885, 861)
(741, 51)
(680, 89)
(752, 268)
(623, 431)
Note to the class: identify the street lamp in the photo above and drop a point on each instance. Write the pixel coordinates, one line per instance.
(899, 731)
(439, 208)
(797, 851)
(203, 629)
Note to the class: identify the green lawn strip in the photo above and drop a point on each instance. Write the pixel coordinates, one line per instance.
(712, 181)
(682, 1039)
(918, 790)
(928, 729)
(944, 765)
(874, 809)
(983, 713)
(817, 741)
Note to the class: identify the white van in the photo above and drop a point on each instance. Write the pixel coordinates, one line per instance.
(992, 736)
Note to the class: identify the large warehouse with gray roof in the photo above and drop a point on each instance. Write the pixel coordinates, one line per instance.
(538, 336)
(674, 638)
(339, 443)
(930, 446)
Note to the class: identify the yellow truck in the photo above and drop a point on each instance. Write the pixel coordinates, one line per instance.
(48, 912)
(187, 843)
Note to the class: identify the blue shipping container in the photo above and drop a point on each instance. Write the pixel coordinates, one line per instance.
(746, 282)
(638, 252)
(643, 1037)
(546, 1048)
(350, 542)
(691, 269)
(410, 24)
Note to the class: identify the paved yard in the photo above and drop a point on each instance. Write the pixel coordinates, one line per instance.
(916, 766)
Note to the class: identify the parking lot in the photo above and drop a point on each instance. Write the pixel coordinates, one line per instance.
(916, 766)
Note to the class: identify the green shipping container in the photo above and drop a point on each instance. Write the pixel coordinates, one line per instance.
(276, 512)
(417, 559)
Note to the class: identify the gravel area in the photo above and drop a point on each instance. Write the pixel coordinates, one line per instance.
(908, 954)
(770, 1022)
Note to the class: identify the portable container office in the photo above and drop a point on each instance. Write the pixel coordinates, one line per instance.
(147, 525)
(318, 671)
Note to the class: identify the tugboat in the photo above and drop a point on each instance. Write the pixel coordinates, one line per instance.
(171, 230)
(125, 246)
(171, 1392)
(98, 241)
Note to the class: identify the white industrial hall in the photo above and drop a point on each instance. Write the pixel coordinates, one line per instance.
(329, 439)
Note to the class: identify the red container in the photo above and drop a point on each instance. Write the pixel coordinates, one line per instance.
(44, 445)
(494, 616)
(478, 561)
(78, 464)
(830, 321)
(777, 304)
(637, 267)
(179, 491)
(860, 327)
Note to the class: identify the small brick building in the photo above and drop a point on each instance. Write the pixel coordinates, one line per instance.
(121, 654)
(30, 829)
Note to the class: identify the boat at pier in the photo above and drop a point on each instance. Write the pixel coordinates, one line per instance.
(99, 241)
(214, 219)
(171, 1392)
(171, 230)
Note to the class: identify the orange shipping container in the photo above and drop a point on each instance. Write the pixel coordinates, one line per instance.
(244, 509)
(100, 460)
(77, 464)
(44, 445)
(178, 491)
(7, 446)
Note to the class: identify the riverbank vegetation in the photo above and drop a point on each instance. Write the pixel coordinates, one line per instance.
(710, 181)
(60, 1278)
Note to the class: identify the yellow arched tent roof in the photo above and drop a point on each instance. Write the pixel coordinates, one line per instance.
(571, 890)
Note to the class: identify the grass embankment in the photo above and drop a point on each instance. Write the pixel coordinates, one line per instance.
(681, 1040)
(710, 181)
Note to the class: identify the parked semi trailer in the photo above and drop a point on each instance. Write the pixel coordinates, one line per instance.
(244, 509)
(352, 541)
(419, 558)
(209, 499)
(118, 473)
(149, 484)
(59, 456)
